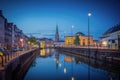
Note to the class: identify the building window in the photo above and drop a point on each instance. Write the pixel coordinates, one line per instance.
(116, 46)
(113, 41)
(104, 43)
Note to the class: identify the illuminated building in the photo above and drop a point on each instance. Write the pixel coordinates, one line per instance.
(110, 39)
(42, 44)
(45, 42)
(69, 40)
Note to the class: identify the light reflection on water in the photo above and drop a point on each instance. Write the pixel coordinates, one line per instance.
(55, 65)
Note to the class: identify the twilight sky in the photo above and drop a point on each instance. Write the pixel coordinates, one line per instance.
(41, 16)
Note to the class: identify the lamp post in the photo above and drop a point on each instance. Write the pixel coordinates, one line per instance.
(21, 40)
(72, 78)
(72, 30)
(71, 34)
(89, 14)
(64, 38)
(64, 34)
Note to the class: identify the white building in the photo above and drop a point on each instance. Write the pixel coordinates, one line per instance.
(59, 44)
(110, 38)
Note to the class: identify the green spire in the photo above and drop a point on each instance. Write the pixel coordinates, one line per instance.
(57, 29)
(57, 34)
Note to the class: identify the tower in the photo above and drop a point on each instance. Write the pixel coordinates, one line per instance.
(57, 34)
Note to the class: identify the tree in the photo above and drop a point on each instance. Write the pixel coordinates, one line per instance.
(77, 40)
(32, 40)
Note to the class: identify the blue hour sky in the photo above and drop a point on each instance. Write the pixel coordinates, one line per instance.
(41, 16)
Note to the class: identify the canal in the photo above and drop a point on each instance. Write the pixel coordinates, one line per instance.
(53, 64)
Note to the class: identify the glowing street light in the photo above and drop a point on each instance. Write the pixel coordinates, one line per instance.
(21, 40)
(29, 42)
(104, 43)
(89, 14)
(72, 78)
(72, 30)
(22, 43)
(65, 70)
(71, 33)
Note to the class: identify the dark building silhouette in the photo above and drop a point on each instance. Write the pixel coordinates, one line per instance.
(57, 34)
(2, 29)
(8, 35)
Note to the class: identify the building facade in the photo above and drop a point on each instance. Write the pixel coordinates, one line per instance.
(2, 30)
(110, 39)
(45, 42)
(25, 41)
(8, 36)
(69, 40)
(118, 41)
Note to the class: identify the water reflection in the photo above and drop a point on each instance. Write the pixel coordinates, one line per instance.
(68, 58)
(57, 59)
(58, 65)
(46, 52)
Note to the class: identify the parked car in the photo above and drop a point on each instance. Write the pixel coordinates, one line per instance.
(21, 49)
(14, 49)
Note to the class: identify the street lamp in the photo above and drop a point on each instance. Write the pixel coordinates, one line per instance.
(64, 34)
(21, 40)
(71, 34)
(64, 38)
(72, 30)
(89, 14)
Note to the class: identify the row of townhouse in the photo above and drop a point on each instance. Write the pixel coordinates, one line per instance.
(10, 35)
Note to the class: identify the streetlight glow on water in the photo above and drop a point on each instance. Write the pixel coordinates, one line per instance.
(57, 65)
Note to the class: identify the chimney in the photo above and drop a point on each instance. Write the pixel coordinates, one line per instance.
(0, 12)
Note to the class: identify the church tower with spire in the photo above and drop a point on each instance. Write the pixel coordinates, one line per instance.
(57, 34)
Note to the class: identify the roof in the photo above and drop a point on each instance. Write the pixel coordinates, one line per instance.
(80, 34)
(1, 15)
(112, 29)
(44, 39)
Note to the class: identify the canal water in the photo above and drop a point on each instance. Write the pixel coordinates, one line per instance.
(52, 64)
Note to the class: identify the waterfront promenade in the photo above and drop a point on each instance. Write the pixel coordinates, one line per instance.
(6, 59)
(100, 53)
(14, 66)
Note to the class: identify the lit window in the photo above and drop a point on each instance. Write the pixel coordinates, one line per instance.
(104, 43)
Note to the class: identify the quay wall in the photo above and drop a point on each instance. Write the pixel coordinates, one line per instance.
(16, 68)
(99, 54)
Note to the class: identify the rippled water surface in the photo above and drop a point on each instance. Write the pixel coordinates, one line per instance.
(55, 65)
